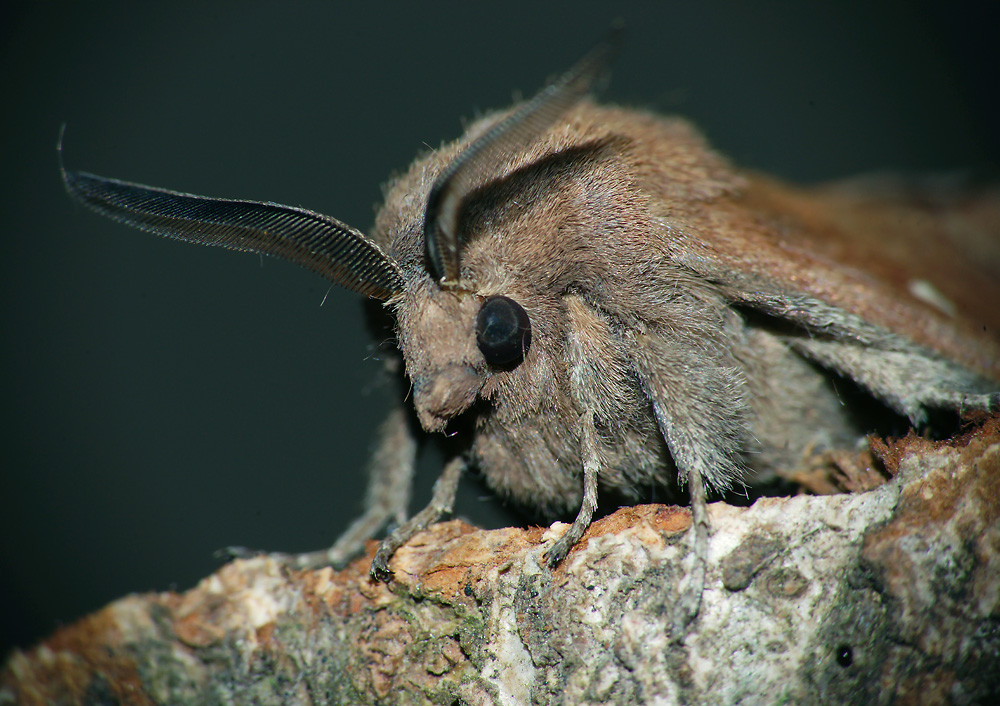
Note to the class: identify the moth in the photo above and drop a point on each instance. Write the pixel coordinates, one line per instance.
(590, 300)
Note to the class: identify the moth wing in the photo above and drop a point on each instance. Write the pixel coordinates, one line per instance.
(893, 284)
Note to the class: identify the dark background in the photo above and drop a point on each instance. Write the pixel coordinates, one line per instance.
(162, 401)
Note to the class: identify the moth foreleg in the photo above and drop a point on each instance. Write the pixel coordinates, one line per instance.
(591, 465)
(390, 479)
(442, 501)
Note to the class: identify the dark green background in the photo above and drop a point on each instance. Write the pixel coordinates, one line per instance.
(162, 401)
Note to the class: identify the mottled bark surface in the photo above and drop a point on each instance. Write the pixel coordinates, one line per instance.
(886, 596)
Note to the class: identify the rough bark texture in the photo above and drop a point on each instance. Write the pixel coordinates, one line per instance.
(885, 596)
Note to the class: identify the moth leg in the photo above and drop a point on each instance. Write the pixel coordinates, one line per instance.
(442, 501)
(591, 465)
(687, 607)
(701, 409)
(909, 379)
(390, 479)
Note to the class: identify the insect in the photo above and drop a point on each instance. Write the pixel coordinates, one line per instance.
(590, 299)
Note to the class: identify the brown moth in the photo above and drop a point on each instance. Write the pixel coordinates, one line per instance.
(593, 299)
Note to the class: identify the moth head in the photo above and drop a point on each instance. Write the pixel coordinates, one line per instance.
(455, 335)
(456, 330)
(456, 342)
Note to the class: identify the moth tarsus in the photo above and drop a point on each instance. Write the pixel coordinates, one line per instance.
(606, 303)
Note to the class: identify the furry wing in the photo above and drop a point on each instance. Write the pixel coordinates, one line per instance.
(879, 270)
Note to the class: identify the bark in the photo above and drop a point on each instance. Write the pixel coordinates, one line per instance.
(886, 596)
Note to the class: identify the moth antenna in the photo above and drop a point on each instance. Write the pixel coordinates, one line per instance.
(336, 251)
(481, 161)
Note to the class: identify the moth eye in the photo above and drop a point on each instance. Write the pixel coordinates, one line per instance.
(503, 331)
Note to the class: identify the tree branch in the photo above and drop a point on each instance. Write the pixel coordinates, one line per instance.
(889, 595)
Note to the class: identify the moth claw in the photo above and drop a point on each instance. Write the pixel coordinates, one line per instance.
(380, 571)
(554, 556)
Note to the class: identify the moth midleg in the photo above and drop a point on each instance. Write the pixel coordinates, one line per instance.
(701, 409)
(687, 606)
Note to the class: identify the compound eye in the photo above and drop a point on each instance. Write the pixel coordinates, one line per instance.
(503, 332)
